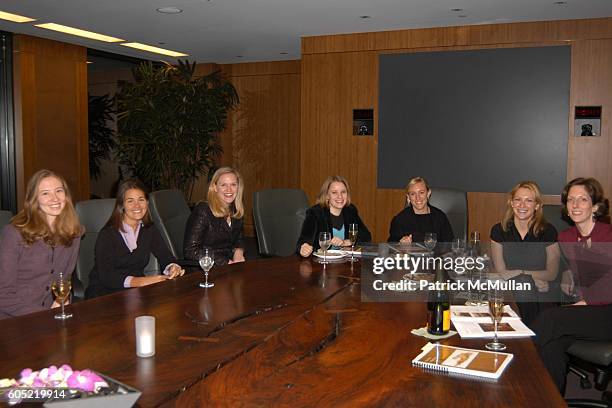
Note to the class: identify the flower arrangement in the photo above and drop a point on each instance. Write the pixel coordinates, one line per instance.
(54, 377)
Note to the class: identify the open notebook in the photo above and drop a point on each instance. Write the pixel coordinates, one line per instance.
(464, 361)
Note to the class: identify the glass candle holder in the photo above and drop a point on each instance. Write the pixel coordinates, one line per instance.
(145, 336)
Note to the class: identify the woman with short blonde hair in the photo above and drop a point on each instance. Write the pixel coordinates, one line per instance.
(217, 223)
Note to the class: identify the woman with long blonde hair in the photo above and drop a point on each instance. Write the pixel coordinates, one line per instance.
(41, 242)
(524, 248)
(217, 223)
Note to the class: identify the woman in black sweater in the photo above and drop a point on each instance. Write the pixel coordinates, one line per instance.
(333, 213)
(419, 217)
(125, 244)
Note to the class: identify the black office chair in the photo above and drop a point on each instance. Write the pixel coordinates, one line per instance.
(170, 213)
(454, 204)
(552, 214)
(278, 215)
(93, 215)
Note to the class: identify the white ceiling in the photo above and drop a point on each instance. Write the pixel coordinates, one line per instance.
(267, 30)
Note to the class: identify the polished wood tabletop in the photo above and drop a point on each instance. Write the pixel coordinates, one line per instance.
(272, 332)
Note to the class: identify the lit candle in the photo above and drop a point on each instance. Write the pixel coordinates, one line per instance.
(145, 336)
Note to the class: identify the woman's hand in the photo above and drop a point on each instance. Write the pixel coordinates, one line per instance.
(174, 271)
(305, 250)
(238, 256)
(542, 285)
(406, 239)
(139, 281)
(337, 242)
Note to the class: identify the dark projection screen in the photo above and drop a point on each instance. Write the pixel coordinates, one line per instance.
(478, 120)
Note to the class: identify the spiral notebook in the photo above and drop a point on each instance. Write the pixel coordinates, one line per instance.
(464, 361)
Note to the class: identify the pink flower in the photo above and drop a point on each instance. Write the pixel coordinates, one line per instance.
(85, 380)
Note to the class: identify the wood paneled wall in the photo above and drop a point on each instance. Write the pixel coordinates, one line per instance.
(340, 73)
(263, 136)
(51, 112)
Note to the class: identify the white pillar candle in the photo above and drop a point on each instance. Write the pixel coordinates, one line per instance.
(145, 336)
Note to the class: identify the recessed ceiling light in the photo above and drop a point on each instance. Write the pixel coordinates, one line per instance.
(457, 9)
(560, 3)
(76, 31)
(169, 10)
(155, 50)
(365, 17)
(90, 62)
(15, 18)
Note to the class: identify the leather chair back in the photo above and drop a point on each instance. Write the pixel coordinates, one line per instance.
(93, 215)
(279, 215)
(552, 214)
(170, 213)
(454, 204)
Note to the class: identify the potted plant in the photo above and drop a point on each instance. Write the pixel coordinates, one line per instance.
(101, 141)
(167, 123)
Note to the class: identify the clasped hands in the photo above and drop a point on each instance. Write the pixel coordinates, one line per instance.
(306, 249)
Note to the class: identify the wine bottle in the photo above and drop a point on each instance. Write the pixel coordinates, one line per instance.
(438, 312)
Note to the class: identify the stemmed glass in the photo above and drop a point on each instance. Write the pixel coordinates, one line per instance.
(206, 263)
(430, 240)
(458, 246)
(352, 236)
(61, 289)
(324, 243)
(496, 309)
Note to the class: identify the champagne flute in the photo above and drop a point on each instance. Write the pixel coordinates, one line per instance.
(61, 289)
(324, 243)
(458, 246)
(352, 236)
(430, 240)
(496, 309)
(206, 263)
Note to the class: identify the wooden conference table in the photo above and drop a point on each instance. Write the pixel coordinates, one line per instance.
(272, 332)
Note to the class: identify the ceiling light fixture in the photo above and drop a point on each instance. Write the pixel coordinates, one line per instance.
(78, 32)
(457, 9)
(365, 17)
(155, 50)
(560, 3)
(169, 10)
(15, 18)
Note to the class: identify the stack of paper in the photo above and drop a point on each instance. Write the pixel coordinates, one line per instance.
(475, 322)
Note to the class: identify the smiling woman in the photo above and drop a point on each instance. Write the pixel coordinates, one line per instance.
(333, 213)
(125, 244)
(217, 224)
(41, 242)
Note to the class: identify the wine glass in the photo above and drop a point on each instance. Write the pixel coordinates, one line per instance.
(474, 243)
(61, 289)
(352, 236)
(458, 246)
(206, 263)
(324, 243)
(496, 309)
(430, 240)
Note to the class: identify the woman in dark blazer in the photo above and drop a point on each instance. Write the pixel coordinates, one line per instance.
(217, 223)
(333, 213)
(125, 244)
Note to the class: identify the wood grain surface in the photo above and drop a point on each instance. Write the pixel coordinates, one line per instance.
(272, 332)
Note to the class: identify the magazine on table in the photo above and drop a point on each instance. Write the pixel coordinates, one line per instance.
(463, 361)
(462, 313)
